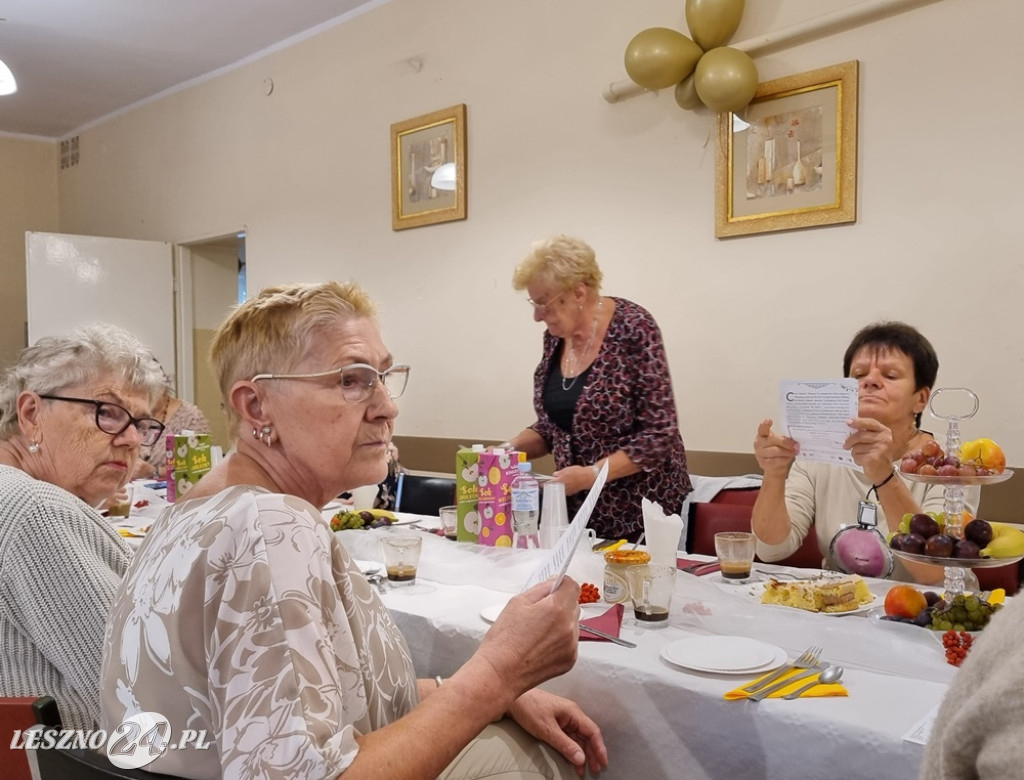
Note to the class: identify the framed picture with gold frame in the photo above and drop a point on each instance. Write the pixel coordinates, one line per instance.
(789, 159)
(419, 148)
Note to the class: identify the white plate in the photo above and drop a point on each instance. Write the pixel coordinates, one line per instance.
(724, 654)
(755, 590)
(490, 613)
(367, 567)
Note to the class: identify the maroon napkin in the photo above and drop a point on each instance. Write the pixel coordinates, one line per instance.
(697, 567)
(608, 621)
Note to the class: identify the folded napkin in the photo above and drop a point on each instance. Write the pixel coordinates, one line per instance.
(608, 621)
(663, 534)
(826, 689)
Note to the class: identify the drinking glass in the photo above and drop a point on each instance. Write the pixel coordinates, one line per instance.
(401, 557)
(735, 551)
(650, 588)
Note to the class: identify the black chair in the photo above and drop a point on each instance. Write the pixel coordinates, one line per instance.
(53, 763)
(423, 495)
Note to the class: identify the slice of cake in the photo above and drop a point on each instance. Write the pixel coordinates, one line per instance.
(841, 594)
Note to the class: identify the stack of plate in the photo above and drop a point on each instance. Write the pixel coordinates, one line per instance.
(724, 654)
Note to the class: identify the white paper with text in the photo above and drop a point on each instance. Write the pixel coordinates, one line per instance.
(814, 414)
(556, 564)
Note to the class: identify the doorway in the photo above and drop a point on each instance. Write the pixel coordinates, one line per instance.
(212, 274)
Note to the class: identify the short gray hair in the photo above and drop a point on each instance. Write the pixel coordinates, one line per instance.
(56, 362)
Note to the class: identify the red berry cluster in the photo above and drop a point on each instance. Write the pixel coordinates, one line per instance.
(589, 593)
(957, 646)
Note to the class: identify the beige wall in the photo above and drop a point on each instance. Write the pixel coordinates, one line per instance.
(306, 171)
(28, 201)
(214, 292)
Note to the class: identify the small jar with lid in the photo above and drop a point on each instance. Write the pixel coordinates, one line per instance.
(616, 586)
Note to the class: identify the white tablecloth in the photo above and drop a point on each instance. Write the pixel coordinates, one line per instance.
(661, 721)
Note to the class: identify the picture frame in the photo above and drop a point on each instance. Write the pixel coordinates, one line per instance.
(419, 146)
(789, 159)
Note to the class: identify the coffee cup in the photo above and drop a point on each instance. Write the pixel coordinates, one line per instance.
(735, 551)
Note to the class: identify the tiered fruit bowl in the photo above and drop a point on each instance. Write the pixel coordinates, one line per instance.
(953, 496)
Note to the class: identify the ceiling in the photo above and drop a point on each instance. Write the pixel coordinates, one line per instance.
(77, 61)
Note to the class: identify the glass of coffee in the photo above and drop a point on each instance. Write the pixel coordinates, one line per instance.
(401, 557)
(650, 588)
(735, 550)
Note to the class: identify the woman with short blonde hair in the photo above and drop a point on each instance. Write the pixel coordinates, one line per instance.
(602, 391)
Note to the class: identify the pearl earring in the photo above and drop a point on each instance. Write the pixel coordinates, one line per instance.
(255, 433)
(33, 447)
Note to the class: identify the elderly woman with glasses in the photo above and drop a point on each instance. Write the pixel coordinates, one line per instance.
(602, 391)
(244, 617)
(73, 414)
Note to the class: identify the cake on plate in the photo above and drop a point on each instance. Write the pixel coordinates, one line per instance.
(841, 594)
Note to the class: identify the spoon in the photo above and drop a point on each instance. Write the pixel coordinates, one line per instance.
(829, 674)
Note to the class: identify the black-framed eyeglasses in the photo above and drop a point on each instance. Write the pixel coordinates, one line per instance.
(540, 308)
(114, 419)
(357, 380)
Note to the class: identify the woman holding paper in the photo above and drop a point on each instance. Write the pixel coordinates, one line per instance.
(895, 367)
(602, 391)
(243, 614)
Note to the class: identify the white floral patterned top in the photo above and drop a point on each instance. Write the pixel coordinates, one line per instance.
(243, 615)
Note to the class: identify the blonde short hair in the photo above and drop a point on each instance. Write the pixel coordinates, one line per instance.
(563, 261)
(274, 331)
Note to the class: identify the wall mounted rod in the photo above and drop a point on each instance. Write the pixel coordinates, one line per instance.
(817, 27)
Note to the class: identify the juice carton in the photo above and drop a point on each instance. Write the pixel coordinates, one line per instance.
(494, 497)
(192, 460)
(467, 471)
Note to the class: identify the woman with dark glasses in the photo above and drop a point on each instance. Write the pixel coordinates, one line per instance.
(73, 413)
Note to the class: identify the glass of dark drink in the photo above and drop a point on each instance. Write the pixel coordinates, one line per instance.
(401, 557)
(650, 589)
(735, 550)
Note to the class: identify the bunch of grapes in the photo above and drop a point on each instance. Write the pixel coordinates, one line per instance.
(964, 613)
(589, 593)
(345, 520)
(931, 461)
(957, 646)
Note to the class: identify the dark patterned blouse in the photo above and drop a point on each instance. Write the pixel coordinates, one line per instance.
(626, 404)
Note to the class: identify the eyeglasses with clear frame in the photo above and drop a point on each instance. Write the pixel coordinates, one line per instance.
(357, 380)
(114, 419)
(541, 308)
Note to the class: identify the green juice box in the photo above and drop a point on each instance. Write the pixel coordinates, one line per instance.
(467, 486)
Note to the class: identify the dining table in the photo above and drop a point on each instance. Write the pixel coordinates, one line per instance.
(660, 720)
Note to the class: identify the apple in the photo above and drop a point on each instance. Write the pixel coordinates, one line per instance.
(905, 601)
(985, 453)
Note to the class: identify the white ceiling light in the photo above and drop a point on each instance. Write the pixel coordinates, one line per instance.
(444, 177)
(8, 86)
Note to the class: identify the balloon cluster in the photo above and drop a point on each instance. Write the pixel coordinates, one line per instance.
(703, 71)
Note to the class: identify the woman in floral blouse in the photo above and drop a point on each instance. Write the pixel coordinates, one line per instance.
(242, 615)
(602, 391)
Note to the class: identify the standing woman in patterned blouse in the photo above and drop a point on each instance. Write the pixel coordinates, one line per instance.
(602, 391)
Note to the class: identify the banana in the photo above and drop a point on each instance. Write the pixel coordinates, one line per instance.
(1007, 542)
(1003, 528)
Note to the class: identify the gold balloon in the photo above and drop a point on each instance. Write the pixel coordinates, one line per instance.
(725, 79)
(686, 94)
(658, 57)
(712, 22)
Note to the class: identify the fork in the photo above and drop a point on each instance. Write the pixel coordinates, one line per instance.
(808, 659)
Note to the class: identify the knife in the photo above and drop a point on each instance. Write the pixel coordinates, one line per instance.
(603, 635)
(763, 692)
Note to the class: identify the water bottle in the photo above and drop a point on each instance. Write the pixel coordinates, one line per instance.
(525, 509)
